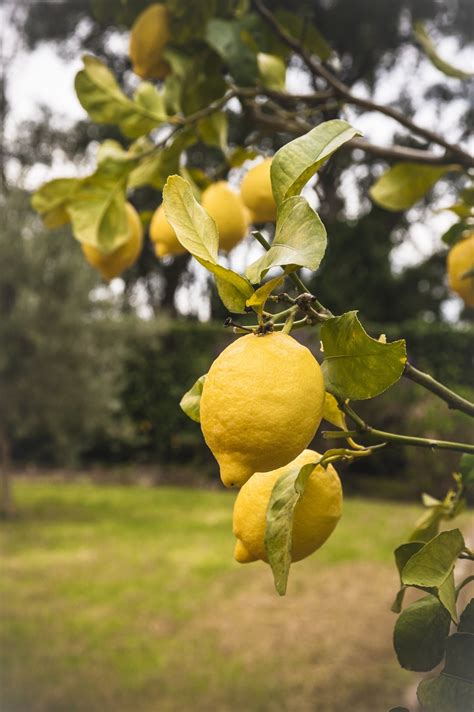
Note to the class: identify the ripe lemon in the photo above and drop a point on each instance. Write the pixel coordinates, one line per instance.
(163, 236)
(225, 207)
(460, 261)
(148, 38)
(116, 262)
(315, 517)
(256, 192)
(261, 405)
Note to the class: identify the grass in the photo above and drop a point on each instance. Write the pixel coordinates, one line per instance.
(128, 599)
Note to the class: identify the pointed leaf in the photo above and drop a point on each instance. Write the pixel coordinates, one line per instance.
(295, 163)
(332, 413)
(155, 169)
(455, 233)
(355, 365)
(234, 290)
(51, 200)
(280, 511)
(446, 694)
(466, 620)
(224, 36)
(432, 565)
(300, 240)
(259, 298)
(213, 130)
(420, 634)
(272, 71)
(426, 42)
(105, 102)
(404, 184)
(191, 401)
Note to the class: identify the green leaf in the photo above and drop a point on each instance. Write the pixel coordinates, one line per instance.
(197, 232)
(104, 101)
(432, 565)
(427, 526)
(300, 240)
(404, 184)
(455, 233)
(460, 656)
(155, 169)
(51, 200)
(239, 155)
(402, 554)
(466, 620)
(191, 401)
(426, 42)
(224, 36)
(213, 130)
(280, 511)
(420, 634)
(97, 208)
(446, 694)
(466, 468)
(355, 365)
(272, 71)
(306, 32)
(296, 162)
(259, 298)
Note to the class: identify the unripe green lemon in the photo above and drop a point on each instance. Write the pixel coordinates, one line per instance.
(225, 207)
(163, 235)
(460, 261)
(256, 193)
(315, 517)
(113, 264)
(261, 405)
(148, 38)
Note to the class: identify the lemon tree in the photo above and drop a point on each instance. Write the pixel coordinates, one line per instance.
(201, 70)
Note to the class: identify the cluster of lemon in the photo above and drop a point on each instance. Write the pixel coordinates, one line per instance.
(461, 268)
(232, 213)
(261, 405)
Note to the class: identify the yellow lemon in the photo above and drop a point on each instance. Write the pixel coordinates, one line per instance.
(460, 261)
(116, 262)
(261, 405)
(256, 192)
(163, 236)
(225, 207)
(148, 38)
(316, 513)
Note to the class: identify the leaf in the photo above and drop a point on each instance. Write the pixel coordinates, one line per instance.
(197, 232)
(105, 102)
(460, 656)
(51, 200)
(402, 554)
(355, 365)
(427, 526)
(280, 511)
(404, 184)
(155, 169)
(272, 71)
(306, 32)
(466, 620)
(466, 468)
(259, 298)
(97, 208)
(332, 413)
(224, 36)
(300, 240)
(241, 154)
(432, 565)
(446, 694)
(420, 634)
(191, 401)
(296, 162)
(423, 38)
(213, 130)
(455, 233)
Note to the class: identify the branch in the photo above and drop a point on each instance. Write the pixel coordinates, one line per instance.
(344, 91)
(450, 397)
(432, 444)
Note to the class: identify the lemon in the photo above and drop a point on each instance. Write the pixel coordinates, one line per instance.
(315, 517)
(116, 262)
(225, 207)
(261, 405)
(256, 192)
(148, 38)
(163, 236)
(460, 261)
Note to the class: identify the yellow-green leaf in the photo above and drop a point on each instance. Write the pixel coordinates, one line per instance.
(272, 71)
(191, 401)
(259, 298)
(51, 200)
(332, 413)
(426, 42)
(404, 184)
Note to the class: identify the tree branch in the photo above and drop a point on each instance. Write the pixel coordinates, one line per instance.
(344, 91)
(450, 397)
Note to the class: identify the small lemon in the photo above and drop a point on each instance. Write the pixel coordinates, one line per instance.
(460, 261)
(148, 38)
(114, 263)
(315, 517)
(261, 404)
(163, 236)
(256, 192)
(225, 207)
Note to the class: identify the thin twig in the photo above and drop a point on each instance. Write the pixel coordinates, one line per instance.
(450, 397)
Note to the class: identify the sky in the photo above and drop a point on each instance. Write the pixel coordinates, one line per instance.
(42, 77)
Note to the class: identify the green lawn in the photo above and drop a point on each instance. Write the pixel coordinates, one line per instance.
(128, 599)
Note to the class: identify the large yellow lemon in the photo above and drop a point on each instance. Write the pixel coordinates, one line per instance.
(163, 236)
(256, 193)
(224, 205)
(261, 405)
(148, 38)
(116, 262)
(460, 261)
(315, 517)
